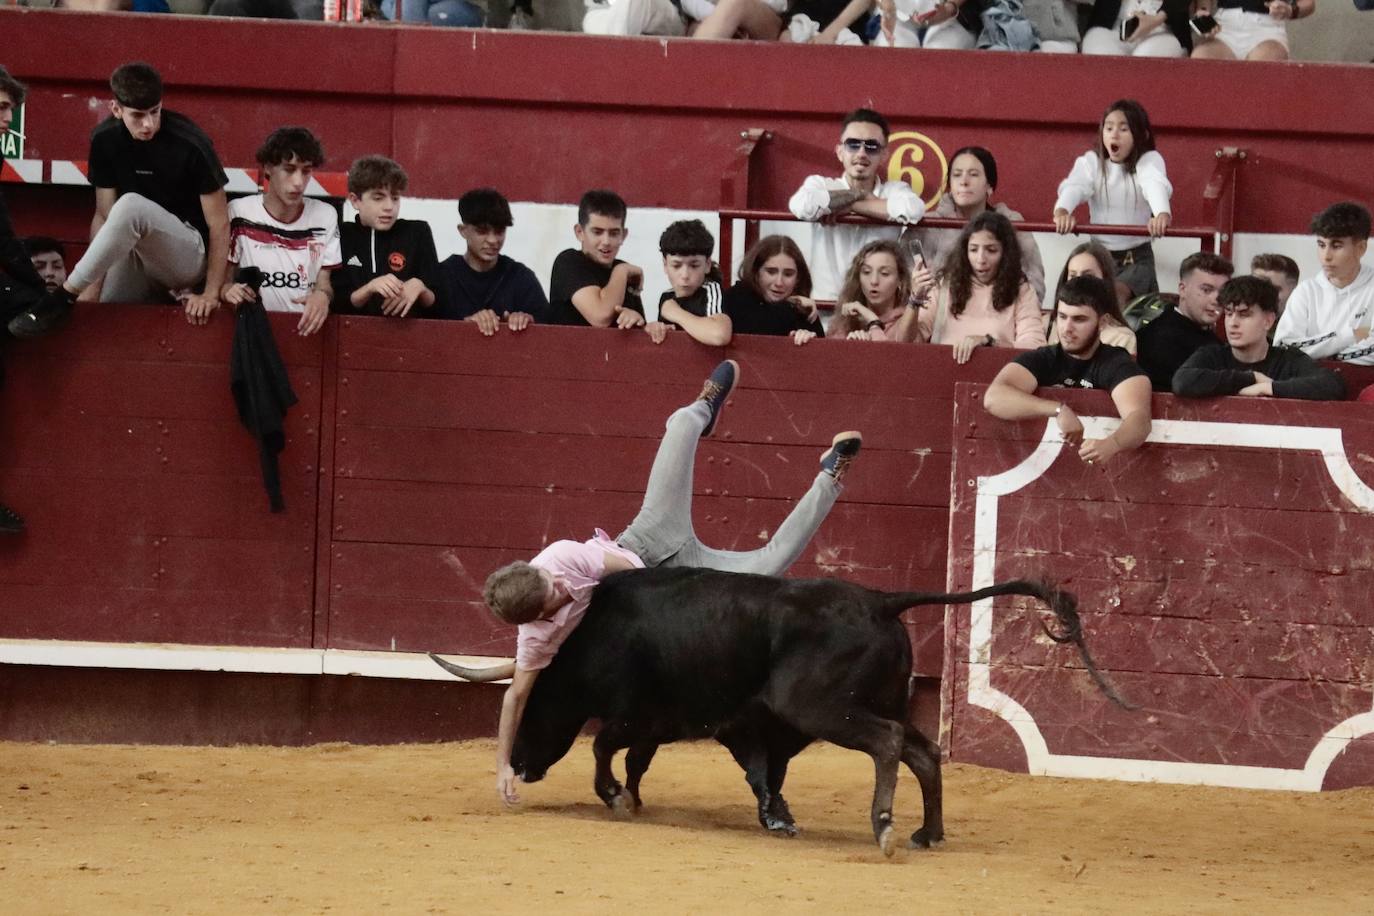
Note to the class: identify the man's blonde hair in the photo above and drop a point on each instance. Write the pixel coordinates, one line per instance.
(515, 593)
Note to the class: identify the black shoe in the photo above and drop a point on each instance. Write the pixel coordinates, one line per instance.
(842, 452)
(718, 386)
(10, 522)
(51, 312)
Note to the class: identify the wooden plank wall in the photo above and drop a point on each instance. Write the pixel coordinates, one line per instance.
(147, 517)
(1224, 589)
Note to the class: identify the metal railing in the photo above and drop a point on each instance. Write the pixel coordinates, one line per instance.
(1207, 236)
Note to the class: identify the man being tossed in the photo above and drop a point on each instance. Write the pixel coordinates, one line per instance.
(548, 596)
(1079, 360)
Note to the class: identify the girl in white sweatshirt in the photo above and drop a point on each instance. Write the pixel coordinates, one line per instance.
(1124, 182)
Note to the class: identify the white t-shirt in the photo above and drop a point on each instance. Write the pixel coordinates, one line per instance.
(833, 247)
(290, 255)
(1321, 320)
(1122, 199)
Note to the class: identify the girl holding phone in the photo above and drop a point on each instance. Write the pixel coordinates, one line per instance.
(1139, 28)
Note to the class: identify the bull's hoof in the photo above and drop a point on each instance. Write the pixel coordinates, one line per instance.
(924, 839)
(886, 842)
(780, 827)
(622, 807)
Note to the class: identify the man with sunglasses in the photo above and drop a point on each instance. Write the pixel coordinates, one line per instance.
(862, 151)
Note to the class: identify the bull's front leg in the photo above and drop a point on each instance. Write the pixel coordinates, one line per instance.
(636, 764)
(610, 741)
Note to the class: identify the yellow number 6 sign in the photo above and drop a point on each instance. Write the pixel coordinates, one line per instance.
(918, 160)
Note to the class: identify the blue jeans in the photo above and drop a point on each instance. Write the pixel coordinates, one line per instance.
(458, 13)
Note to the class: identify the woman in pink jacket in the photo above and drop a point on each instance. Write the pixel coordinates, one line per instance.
(981, 296)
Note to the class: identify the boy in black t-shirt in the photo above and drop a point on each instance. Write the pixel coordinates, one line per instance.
(482, 285)
(588, 285)
(1079, 360)
(161, 222)
(694, 303)
(389, 264)
(1246, 365)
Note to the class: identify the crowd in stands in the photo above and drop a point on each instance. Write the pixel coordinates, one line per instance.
(164, 229)
(1212, 29)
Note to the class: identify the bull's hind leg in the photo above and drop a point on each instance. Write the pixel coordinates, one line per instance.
(610, 741)
(859, 730)
(922, 757)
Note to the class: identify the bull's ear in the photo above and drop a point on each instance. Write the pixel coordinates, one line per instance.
(477, 675)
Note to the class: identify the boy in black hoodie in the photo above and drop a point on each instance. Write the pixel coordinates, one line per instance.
(389, 263)
(482, 285)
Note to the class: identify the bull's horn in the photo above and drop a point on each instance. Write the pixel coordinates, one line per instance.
(478, 675)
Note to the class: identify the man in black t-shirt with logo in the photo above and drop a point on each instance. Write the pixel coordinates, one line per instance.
(1079, 360)
(694, 304)
(589, 286)
(161, 221)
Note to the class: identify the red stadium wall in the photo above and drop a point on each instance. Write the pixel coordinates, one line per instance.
(544, 117)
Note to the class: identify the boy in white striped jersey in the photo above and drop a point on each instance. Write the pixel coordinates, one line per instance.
(694, 304)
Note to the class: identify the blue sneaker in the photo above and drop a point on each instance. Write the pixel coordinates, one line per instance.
(842, 452)
(718, 386)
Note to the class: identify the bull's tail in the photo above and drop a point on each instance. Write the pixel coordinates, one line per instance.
(479, 675)
(1062, 603)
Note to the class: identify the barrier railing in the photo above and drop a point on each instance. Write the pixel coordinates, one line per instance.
(728, 216)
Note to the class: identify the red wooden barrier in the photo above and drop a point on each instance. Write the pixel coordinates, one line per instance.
(1223, 574)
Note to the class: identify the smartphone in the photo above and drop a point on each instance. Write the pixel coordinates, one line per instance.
(915, 252)
(1128, 27)
(1201, 25)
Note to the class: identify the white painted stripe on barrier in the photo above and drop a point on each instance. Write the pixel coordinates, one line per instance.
(30, 171)
(241, 182)
(1326, 441)
(241, 659)
(64, 171)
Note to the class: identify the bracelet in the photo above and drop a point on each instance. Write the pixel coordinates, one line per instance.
(988, 341)
(875, 323)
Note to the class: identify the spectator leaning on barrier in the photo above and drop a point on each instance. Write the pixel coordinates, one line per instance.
(1091, 259)
(1124, 182)
(284, 245)
(389, 264)
(588, 285)
(1246, 364)
(982, 298)
(773, 293)
(972, 180)
(20, 284)
(1187, 324)
(874, 303)
(1250, 29)
(160, 221)
(1079, 360)
(1329, 315)
(482, 285)
(1280, 270)
(694, 303)
(861, 151)
(49, 258)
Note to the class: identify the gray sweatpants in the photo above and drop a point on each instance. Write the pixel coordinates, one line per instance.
(142, 251)
(662, 533)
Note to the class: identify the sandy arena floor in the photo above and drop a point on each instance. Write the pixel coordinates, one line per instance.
(418, 829)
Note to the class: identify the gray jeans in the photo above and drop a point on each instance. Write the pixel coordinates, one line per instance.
(662, 533)
(142, 251)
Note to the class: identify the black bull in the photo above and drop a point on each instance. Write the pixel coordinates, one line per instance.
(762, 664)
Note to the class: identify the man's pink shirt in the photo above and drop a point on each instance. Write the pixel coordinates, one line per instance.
(581, 565)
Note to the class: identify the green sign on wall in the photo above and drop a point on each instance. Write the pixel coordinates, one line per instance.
(12, 140)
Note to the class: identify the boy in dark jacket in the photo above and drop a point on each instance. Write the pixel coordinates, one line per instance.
(483, 285)
(389, 263)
